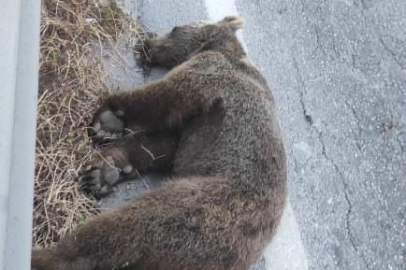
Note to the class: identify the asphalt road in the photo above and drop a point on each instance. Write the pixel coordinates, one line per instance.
(339, 73)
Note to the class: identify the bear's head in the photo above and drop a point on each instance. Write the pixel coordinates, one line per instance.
(185, 41)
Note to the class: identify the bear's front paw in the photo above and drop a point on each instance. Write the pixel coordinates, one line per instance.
(100, 177)
(108, 125)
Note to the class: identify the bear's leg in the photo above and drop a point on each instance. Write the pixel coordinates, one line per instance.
(163, 105)
(185, 224)
(127, 158)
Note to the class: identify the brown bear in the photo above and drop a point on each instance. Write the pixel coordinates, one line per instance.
(211, 123)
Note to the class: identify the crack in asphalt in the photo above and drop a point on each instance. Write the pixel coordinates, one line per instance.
(400, 142)
(346, 196)
(318, 41)
(314, 28)
(363, 7)
(307, 116)
(319, 133)
(355, 115)
(391, 53)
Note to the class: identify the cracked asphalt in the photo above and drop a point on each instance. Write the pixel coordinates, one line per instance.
(339, 72)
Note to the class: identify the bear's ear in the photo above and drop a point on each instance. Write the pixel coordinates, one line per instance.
(232, 21)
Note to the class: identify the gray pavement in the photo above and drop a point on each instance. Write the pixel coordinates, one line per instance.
(338, 68)
(339, 72)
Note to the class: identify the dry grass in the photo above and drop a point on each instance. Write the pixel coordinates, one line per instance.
(72, 81)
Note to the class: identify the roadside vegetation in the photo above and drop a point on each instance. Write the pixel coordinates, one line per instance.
(74, 36)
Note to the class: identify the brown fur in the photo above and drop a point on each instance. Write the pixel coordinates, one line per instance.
(229, 170)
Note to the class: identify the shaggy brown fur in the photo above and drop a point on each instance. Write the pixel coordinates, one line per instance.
(215, 119)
